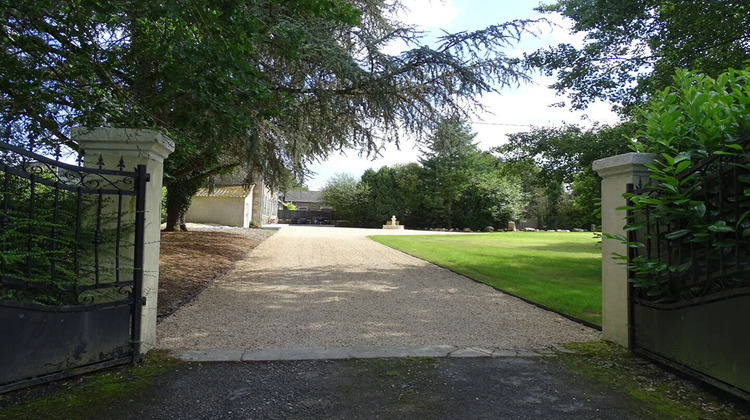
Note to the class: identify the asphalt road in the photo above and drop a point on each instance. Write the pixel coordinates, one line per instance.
(395, 388)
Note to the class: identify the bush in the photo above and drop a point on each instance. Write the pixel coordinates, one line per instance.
(347, 197)
(695, 122)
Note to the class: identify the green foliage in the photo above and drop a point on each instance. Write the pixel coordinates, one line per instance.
(632, 47)
(410, 186)
(384, 196)
(346, 196)
(451, 140)
(448, 166)
(697, 115)
(290, 206)
(455, 185)
(393, 191)
(294, 184)
(178, 199)
(689, 126)
(490, 199)
(547, 158)
(265, 85)
(566, 152)
(461, 185)
(163, 204)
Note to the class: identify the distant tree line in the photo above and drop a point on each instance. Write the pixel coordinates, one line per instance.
(453, 185)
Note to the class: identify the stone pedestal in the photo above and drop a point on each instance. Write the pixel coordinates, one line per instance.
(136, 147)
(617, 172)
(392, 224)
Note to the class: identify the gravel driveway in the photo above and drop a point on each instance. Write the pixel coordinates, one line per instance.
(312, 286)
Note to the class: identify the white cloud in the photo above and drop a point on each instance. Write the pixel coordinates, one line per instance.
(354, 165)
(516, 110)
(429, 14)
(513, 111)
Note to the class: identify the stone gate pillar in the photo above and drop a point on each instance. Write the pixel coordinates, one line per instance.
(136, 147)
(617, 172)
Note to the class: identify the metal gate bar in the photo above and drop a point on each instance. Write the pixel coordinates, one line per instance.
(73, 218)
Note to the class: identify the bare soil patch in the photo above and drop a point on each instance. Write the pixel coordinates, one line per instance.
(190, 260)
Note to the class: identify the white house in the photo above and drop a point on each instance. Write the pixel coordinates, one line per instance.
(234, 205)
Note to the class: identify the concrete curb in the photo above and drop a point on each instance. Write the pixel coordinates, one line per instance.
(332, 353)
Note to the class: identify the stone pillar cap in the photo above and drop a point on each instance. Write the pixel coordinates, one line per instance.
(625, 162)
(130, 142)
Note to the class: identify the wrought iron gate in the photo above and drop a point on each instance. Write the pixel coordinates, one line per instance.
(690, 308)
(71, 246)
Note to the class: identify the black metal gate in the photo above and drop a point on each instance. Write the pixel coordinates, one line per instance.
(318, 217)
(689, 299)
(71, 259)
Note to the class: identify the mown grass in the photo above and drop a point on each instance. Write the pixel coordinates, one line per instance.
(559, 270)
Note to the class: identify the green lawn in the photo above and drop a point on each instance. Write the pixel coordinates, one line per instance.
(559, 270)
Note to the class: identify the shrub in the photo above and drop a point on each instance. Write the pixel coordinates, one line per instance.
(690, 126)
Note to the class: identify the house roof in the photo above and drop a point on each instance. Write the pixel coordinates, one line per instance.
(225, 192)
(303, 196)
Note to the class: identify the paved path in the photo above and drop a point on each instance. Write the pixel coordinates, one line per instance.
(315, 288)
(422, 388)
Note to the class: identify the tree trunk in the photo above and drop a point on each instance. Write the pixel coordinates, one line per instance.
(174, 219)
(178, 202)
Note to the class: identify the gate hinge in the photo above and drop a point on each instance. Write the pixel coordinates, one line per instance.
(143, 300)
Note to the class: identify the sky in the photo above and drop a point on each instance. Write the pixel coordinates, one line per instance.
(513, 110)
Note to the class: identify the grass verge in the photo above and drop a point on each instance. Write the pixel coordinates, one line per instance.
(559, 270)
(665, 394)
(81, 397)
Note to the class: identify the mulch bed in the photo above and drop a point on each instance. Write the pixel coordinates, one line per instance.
(190, 260)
